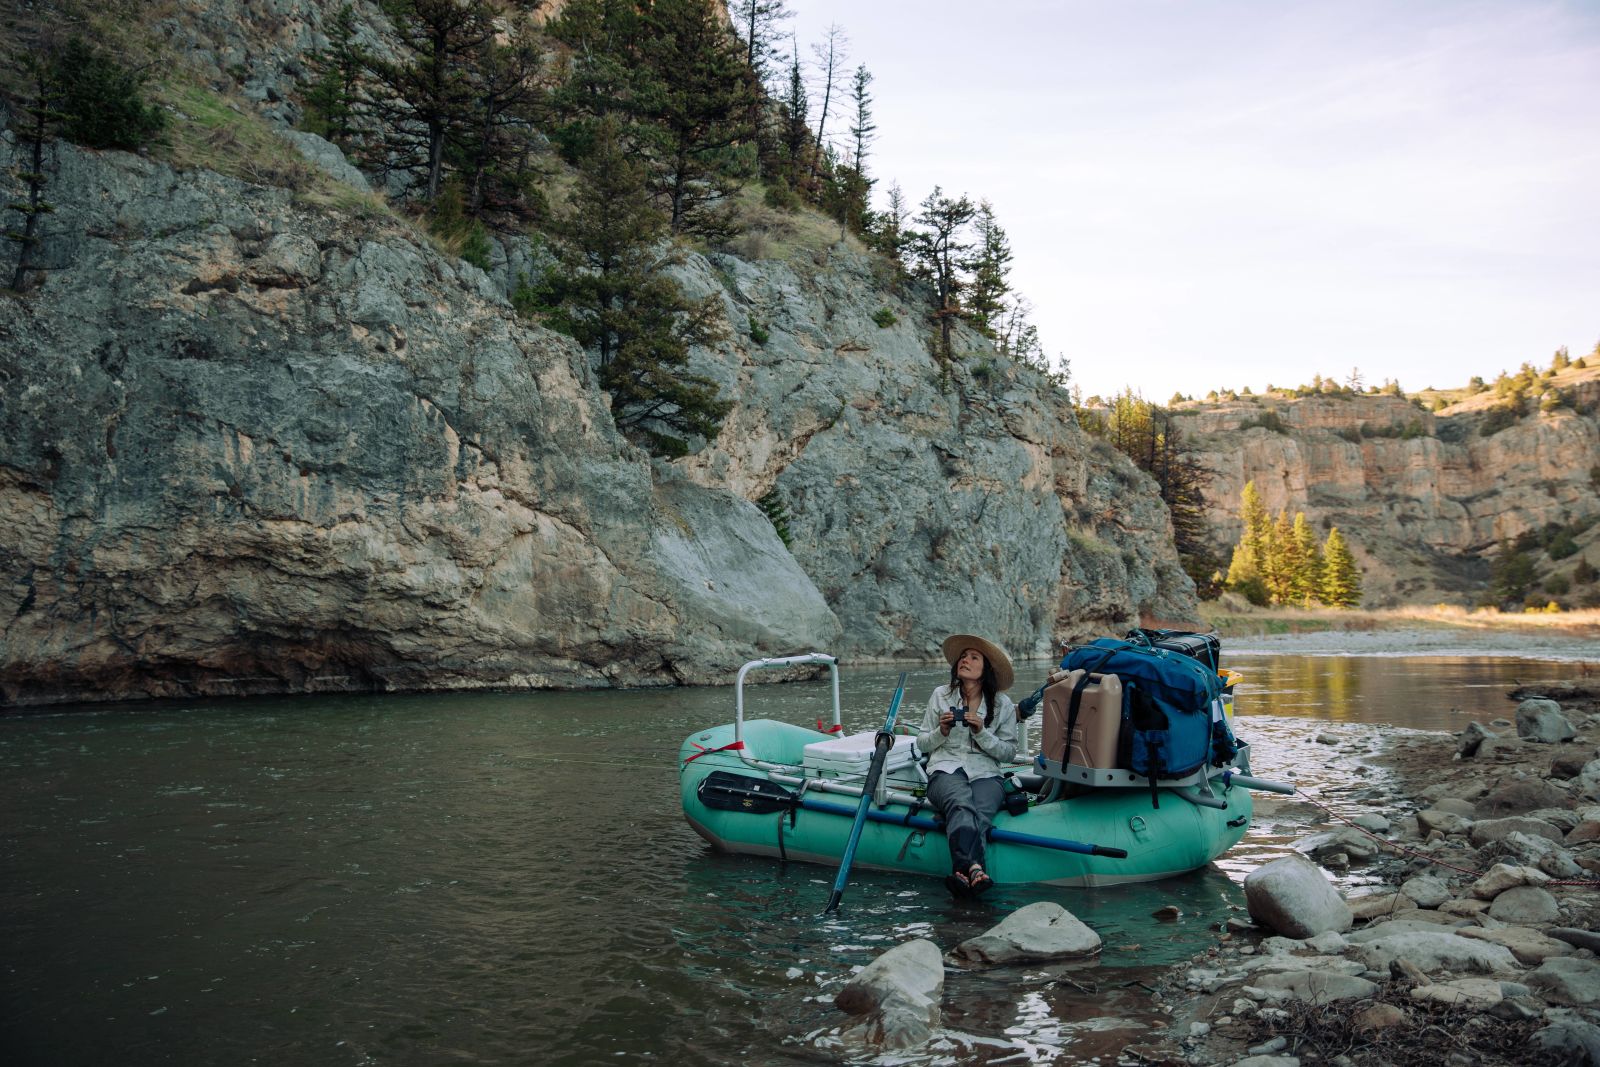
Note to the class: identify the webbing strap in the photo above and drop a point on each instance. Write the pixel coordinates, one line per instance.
(704, 751)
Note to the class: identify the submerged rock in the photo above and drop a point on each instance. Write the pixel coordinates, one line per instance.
(900, 990)
(1039, 931)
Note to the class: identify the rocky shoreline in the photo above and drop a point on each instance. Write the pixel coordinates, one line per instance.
(1477, 944)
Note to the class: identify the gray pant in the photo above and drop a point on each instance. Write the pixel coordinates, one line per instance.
(969, 807)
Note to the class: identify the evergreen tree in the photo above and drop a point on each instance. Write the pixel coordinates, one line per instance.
(1282, 560)
(495, 148)
(942, 256)
(614, 297)
(1247, 567)
(36, 98)
(334, 95)
(1307, 582)
(755, 21)
(991, 271)
(889, 236)
(423, 101)
(700, 107)
(1341, 578)
(862, 128)
(795, 123)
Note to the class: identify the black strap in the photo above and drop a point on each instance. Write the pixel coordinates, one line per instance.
(1073, 706)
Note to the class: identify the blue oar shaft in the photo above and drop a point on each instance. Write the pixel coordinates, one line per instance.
(880, 751)
(923, 822)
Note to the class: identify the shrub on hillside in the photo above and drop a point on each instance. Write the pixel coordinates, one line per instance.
(101, 101)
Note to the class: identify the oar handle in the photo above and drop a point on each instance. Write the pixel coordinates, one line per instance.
(880, 749)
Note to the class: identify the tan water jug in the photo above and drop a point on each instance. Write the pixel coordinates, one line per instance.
(1099, 724)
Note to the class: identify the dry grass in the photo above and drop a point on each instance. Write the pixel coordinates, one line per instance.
(216, 132)
(1229, 618)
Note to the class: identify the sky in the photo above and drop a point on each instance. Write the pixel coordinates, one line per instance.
(1207, 195)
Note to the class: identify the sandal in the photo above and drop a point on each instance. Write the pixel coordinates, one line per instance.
(977, 880)
(958, 884)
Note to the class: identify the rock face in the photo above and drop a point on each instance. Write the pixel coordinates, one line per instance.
(1424, 498)
(248, 446)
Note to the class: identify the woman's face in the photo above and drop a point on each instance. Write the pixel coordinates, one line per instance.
(969, 665)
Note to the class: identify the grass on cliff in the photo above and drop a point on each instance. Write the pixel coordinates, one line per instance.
(1231, 618)
(212, 131)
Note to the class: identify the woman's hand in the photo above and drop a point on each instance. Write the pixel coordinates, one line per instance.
(947, 719)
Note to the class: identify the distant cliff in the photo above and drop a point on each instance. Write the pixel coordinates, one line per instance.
(1427, 498)
(252, 443)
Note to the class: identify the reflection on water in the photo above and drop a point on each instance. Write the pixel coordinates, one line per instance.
(508, 878)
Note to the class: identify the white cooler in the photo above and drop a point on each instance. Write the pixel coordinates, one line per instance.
(850, 756)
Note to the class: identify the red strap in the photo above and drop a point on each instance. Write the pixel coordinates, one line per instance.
(704, 751)
(837, 727)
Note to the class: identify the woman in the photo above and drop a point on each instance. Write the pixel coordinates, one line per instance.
(968, 733)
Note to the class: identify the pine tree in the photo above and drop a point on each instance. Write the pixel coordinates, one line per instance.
(701, 106)
(37, 101)
(796, 128)
(1306, 585)
(1246, 570)
(862, 128)
(495, 147)
(614, 297)
(942, 256)
(991, 271)
(334, 95)
(1341, 578)
(423, 101)
(1282, 561)
(755, 22)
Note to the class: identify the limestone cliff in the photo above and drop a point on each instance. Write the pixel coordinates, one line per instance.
(252, 444)
(1427, 498)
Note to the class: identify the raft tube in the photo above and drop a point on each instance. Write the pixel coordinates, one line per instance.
(1160, 842)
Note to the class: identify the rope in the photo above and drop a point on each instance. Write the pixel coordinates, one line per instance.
(1413, 852)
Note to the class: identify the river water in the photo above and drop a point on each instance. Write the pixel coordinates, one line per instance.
(508, 879)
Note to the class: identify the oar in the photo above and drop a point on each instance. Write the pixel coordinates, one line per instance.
(880, 750)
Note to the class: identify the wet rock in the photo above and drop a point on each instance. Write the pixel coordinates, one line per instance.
(1567, 980)
(1525, 904)
(1433, 952)
(1379, 1017)
(1477, 994)
(1315, 985)
(1525, 795)
(1541, 720)
(1577, 938)
(1353, 844)
(1291, 896)
(1369, 821)
(900, 990)
(1473, 736)
(1039, 931)
(1486, 830)
(1571, 1042)
(1426, 890)
(1529, 946)
(1168, 914)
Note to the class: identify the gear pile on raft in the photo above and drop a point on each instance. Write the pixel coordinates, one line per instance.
(1138, 776)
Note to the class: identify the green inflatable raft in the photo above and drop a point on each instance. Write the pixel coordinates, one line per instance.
(769, 788)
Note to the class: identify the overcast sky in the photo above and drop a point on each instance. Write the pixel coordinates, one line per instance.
(1204, 195)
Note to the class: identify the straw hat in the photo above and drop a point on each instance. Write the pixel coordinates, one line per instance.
(1003, 673)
